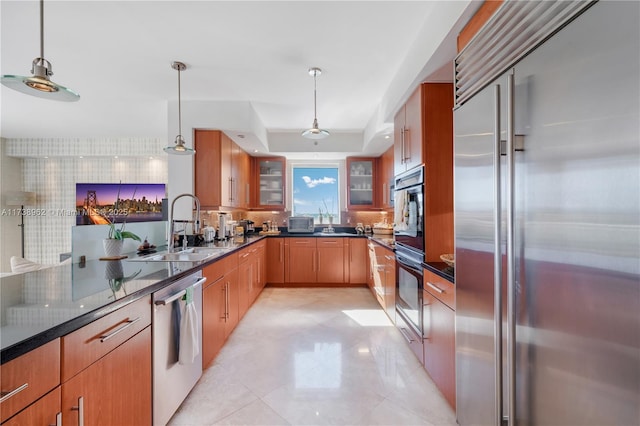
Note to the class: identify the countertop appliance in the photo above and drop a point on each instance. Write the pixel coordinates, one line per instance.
(408, 217)
(173, 381)
(300, 225)
(559, 213)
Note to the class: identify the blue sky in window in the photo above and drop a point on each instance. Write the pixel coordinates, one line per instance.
(313, 187)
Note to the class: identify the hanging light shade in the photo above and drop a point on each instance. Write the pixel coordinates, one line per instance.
(40, 84)
(314, 132)
(179, 147)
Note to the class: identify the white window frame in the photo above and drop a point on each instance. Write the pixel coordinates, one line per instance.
(326, 164)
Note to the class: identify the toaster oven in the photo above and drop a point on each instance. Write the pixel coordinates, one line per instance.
(300, 225)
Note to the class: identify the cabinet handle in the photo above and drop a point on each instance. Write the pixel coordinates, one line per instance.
(58, 419)
(128, 324)
(402, 145)
(407, 157)
(227, 304)
(384, 193)
(7, 395)
(281, 251)
(389, 257)
(404, 333)
(433, 286)
(80, 410)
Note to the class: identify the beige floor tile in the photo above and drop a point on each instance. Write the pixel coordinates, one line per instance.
(315, 356)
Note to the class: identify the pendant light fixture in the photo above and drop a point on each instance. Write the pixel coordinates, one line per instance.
(40, 84)
(179, 148)
(314, 132)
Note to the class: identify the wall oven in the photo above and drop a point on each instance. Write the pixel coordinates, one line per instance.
(408, 210)
(409, 286)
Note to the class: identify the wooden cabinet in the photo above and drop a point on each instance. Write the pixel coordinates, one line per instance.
(386, 179)
(356, 263)
(114, 390)
(408, 126)
(251, 275)
(361, 183)
(240, 177)
(216, 310)
(424, 134)
(45, 411)
(301, 260)
(439, 329)
(383, 276)
(222, 171)
(476, 22)
(106, 369)
(268, 183)
(27, 378)
(275, 260)
(331, 260)
(315, 260)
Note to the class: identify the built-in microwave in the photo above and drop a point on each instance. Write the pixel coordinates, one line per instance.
(300, 224)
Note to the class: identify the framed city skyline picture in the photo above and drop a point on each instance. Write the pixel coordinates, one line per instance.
(101, 203)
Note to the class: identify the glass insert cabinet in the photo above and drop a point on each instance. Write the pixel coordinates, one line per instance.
(270, 175)
(361, 183)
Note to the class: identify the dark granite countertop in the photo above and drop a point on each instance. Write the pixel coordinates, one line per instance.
(40, 306)
(442, 269)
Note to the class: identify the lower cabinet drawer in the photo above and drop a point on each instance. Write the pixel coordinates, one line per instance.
(45, 411)
(413, 340)
(28, 377)
(442, 289)
(93, 341)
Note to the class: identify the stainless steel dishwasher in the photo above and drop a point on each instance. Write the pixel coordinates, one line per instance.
(173, 381)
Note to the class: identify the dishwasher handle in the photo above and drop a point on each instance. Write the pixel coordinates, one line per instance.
(179, 294)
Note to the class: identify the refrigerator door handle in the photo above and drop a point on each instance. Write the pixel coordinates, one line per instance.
(497, 260)
(511, 293)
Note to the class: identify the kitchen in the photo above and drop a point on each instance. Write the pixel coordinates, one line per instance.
(473, 226)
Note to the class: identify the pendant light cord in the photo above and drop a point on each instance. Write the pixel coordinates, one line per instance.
(315, 115)
(41, 32)
(179, 107)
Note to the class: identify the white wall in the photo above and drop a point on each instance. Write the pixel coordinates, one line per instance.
(10, 180)
(53, 180)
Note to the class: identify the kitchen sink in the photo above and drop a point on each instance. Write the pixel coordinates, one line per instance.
(188, 255)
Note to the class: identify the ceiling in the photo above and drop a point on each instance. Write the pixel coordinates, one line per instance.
(247, 68)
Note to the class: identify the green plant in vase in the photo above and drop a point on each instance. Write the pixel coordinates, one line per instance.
(115, 241)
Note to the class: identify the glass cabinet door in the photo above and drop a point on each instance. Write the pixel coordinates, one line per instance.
(271, 183)
(361, 183)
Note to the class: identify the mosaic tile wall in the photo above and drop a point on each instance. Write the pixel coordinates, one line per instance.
(53, 179)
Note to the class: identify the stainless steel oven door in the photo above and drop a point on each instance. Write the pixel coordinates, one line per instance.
(409, 285)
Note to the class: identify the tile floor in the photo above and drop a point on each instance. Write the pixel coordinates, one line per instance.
(312, 357)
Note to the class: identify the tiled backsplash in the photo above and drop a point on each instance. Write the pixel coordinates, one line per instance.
(53, 179)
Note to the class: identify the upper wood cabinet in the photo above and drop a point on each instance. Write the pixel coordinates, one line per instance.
(438, 178)
(268, 183)
(476, 22)
(385, 179)
(222, 171)
(408, 125)
(361, 183)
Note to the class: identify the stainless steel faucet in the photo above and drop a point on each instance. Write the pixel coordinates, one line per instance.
(196, 222)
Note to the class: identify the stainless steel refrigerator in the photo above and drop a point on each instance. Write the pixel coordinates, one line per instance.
(548, 231)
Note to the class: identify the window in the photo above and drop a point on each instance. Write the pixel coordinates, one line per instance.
(316, 192)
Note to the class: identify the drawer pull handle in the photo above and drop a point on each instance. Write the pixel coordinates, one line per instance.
(406, 335)
(433, 286)
(58, 420)
(128, 324)
(7, 395)
(80, 410)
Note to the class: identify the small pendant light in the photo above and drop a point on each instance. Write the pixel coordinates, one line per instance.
(179, 148)
(314, 132)
(40, 85)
